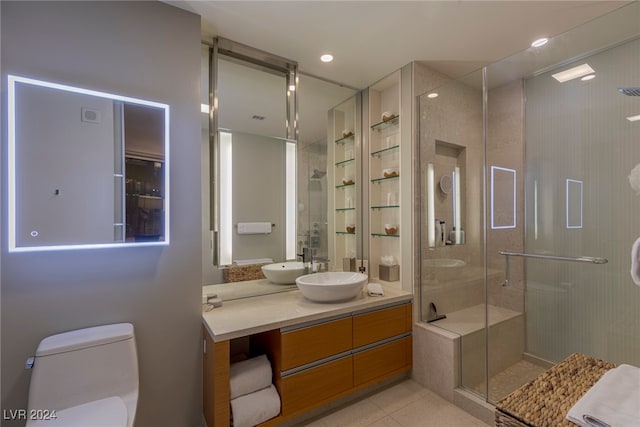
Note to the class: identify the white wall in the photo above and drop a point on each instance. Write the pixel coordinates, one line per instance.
(146, 50)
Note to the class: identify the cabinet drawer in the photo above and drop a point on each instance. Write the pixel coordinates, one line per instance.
(315, 343)
(378, 325)
(379, 361)
(315, 386)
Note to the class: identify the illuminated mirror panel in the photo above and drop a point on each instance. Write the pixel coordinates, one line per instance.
(574, 203)
(87, 169)
(503, 198)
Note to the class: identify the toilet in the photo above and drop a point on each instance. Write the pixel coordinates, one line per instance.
(87, 377)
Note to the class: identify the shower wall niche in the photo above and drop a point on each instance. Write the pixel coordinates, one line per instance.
(449, 193)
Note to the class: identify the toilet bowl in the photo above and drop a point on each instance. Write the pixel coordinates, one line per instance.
(87, 377)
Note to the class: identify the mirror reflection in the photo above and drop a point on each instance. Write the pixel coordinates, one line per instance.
(87, 169)
(268, 193)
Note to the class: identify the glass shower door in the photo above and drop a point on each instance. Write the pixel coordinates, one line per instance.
(559, 155)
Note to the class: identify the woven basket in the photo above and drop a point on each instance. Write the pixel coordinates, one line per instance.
(545, 401)
(241, 273)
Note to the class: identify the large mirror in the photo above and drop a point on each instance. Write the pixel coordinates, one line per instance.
(271, 183)
(87, 169)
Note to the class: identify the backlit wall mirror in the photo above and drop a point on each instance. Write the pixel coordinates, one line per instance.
(87, 169)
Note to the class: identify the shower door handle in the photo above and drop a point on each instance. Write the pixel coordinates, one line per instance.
(507, 254)
(587, 259)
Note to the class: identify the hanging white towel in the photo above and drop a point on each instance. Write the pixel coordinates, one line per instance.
(253, 261)
(612, 401)
(255, 408)
(254, 228)
(249, 375)
(635, 262)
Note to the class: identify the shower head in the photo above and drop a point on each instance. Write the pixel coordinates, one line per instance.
(318, 174)
(629, 91)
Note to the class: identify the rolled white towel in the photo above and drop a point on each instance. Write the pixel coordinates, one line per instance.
(249, 375)
(256, 407)
(612, 401)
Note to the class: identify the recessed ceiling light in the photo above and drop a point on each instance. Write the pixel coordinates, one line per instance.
(292, 87)
(204, 108)
(432, 95)
(634, 118)
(573, 73)
(540, 42)
(588, 77)
(327, 57)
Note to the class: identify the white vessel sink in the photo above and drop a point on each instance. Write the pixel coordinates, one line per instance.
(284, 272)
(443, 262)
(332, 286)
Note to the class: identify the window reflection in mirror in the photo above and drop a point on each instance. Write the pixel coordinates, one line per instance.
(69, 183)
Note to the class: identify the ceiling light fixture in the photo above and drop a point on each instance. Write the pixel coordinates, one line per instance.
(540, 42)
(634, 118)
(432, 95)
(327, 57)
(204, 108)
(588, 77)
(573, 73)
(292, 87)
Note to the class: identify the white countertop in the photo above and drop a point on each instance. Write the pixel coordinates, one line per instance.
(254, 314)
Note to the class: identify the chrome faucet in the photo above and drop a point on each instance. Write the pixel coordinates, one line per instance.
(314, 263)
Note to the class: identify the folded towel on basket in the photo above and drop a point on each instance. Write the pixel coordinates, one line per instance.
(249, 375)
(256, 407)
(613, 401)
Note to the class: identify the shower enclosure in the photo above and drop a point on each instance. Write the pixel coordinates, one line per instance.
(531, 166)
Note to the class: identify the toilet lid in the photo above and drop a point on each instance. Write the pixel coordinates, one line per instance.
(109, 412)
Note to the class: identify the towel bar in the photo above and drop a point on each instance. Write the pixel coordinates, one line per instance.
(507, 254)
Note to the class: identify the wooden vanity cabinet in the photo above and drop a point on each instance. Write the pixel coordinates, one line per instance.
(305, 345)
(317, 363)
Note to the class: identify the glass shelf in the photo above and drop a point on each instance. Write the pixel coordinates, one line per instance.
(345, 185)
(383, 125)
(385, 150)
(345, 139)
(384, 235)
(344, 232)
(385, 179)
(344, 162)
(385, 207)
(345, 209)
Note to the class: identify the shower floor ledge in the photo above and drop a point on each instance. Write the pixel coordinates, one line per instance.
(471, 319)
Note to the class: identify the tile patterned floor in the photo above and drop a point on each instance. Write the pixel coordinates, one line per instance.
(406, 404)
(510, 379)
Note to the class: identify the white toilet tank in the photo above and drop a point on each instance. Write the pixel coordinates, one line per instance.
(88, 377)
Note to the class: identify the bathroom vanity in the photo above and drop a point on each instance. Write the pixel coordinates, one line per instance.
(319, 352)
